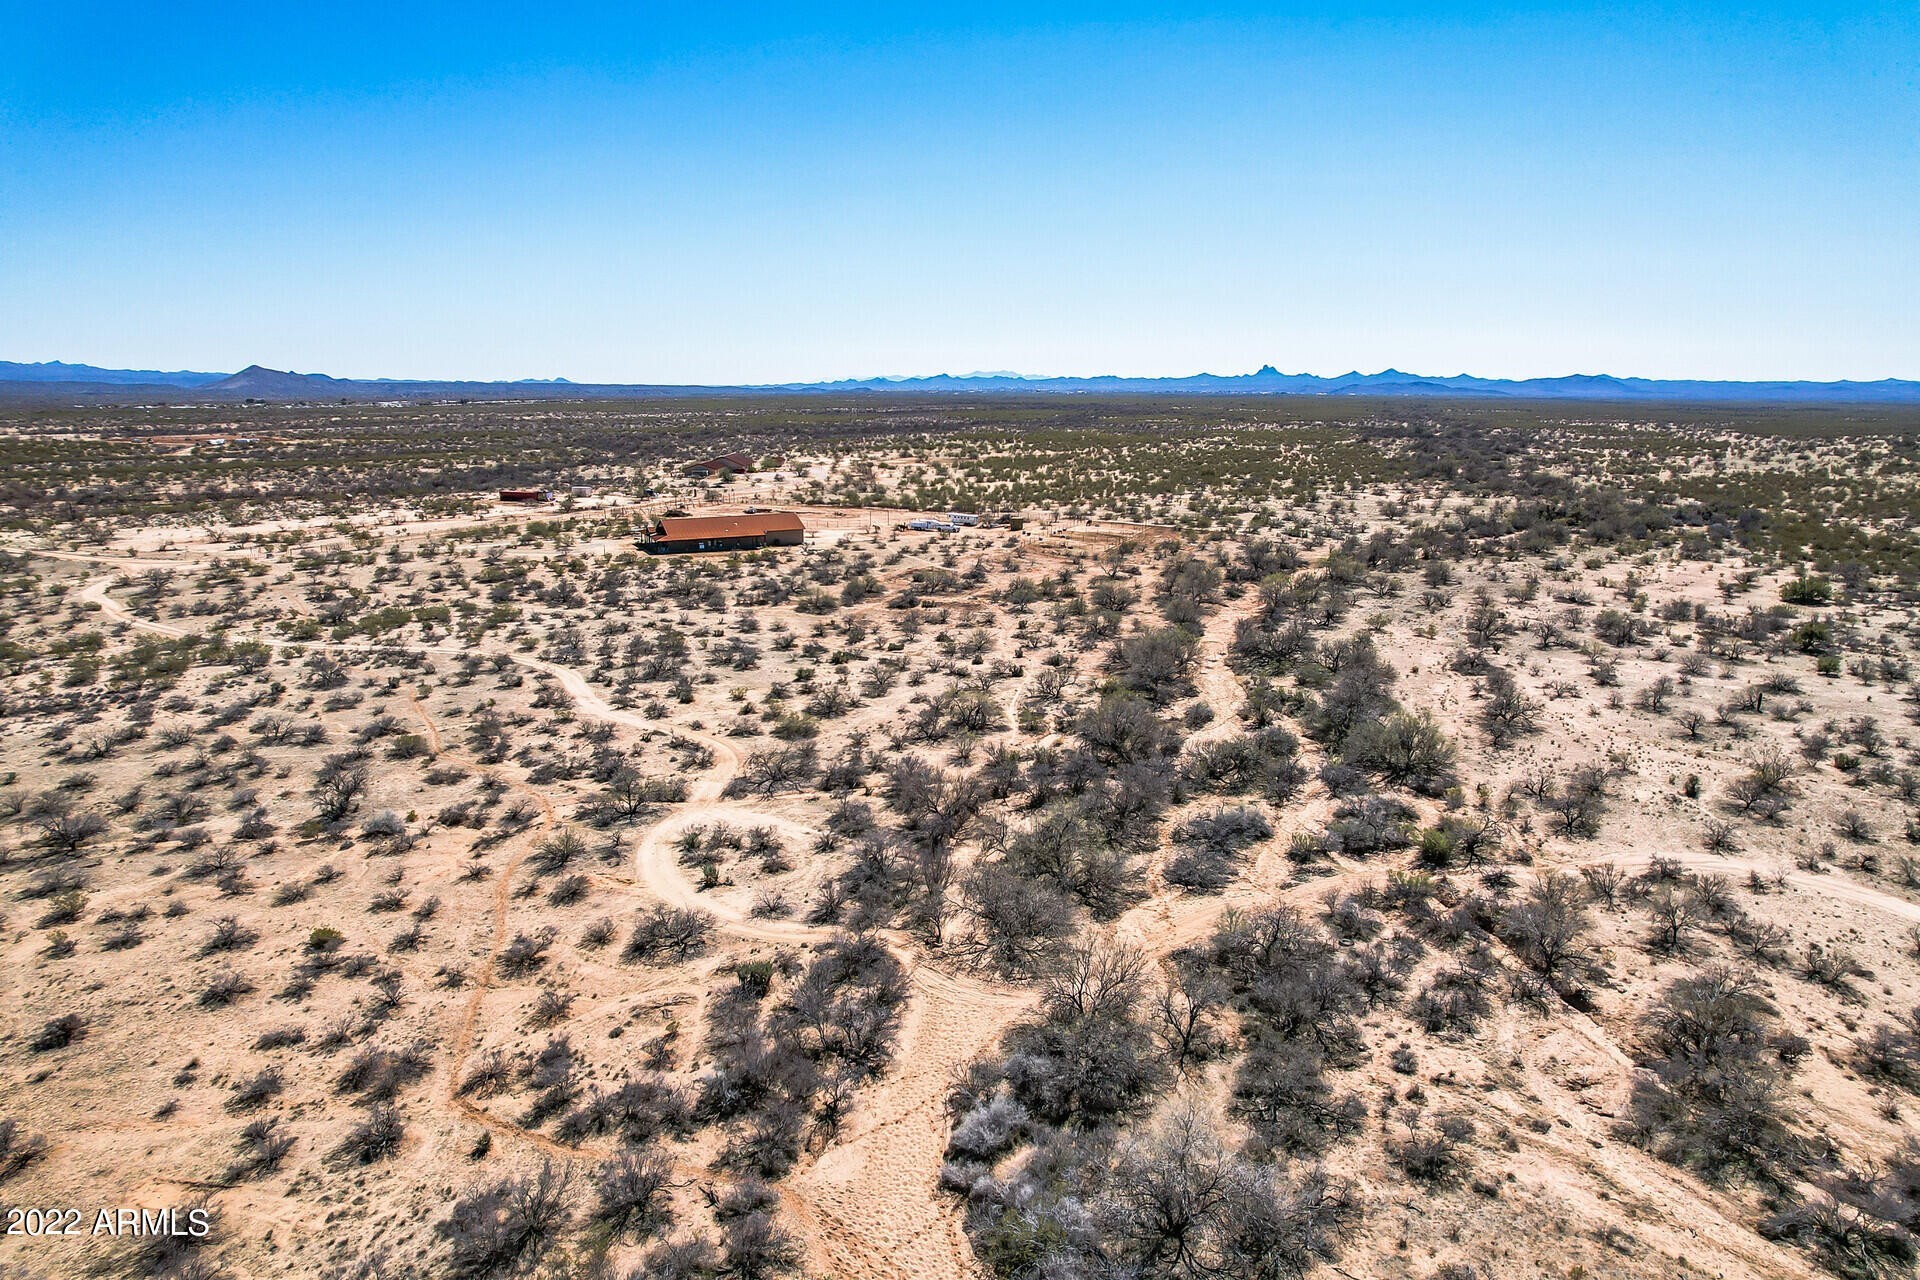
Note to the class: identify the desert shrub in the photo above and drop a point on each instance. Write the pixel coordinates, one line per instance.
(1266, 761)
(1123, 729)
(1455, 999)
(835, 1027)
(18, 1149)
(631, 1200)
(1169, 1202)
(1185, 1008)
(525, 953)
(1579, 803)
(1433, 1155)
(489, 1074)
(1892, 1053)
(1765, 790)
(1848, 1242)
(1089, 1056)
(1214, 842)
(58, 1033)
(260, 1148)
(746, 1195)
(776, 768)
(63, 907)
(507, 1228)
(1712, 1103)
(568, 890)
(628, 796)
(1674, 915)
(1292, 979)
(692, 1258)
(1156, 663)
(754, 1246)
(672, 933)
(377, 1073)
(256, 1090)
(1016, 923)
(64, 828)
(1364, 825)
(337, 790)
(1807, 589)
(755, 977)
(846, 1006)
(638, 1111)
(383, 825)
(1547, 930)
(1833, 968)
(989, 1129)
(1507, 714)
(1617, 628)
(223, 988)
(1359, 695)
(181, 1256)
(1854, 826)
(377, 1137)
(556, 852)
(1605, 883)
(1281, 1089)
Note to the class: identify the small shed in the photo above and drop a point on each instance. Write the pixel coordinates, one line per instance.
(674, 535)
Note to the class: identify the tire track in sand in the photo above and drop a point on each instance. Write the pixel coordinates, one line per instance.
(869, 1199)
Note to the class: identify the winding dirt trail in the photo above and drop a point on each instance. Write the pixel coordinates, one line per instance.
(873, 1194)
(96, 593)
(867, 1204)
(467, 1028)
(1219, 687)
(870, 1198)
(1833, 884)
(656, 868)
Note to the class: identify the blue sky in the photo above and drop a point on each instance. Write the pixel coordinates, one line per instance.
(643, 193)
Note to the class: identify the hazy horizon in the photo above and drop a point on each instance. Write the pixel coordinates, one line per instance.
(957, 375)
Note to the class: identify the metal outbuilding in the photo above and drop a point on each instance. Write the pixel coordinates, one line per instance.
(678, 534)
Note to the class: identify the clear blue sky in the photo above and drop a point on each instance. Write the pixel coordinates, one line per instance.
(640, 193)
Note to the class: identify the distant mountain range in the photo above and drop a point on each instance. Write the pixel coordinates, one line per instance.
(54, 371)
(81, 382)
(56, 380)
(1268, 380)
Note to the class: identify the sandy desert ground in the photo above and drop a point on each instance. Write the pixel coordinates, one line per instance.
(1365, 888)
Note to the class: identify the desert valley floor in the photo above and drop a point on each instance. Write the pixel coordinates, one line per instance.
(1272, 853)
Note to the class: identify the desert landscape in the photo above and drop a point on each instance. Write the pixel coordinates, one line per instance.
(1275, 839)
